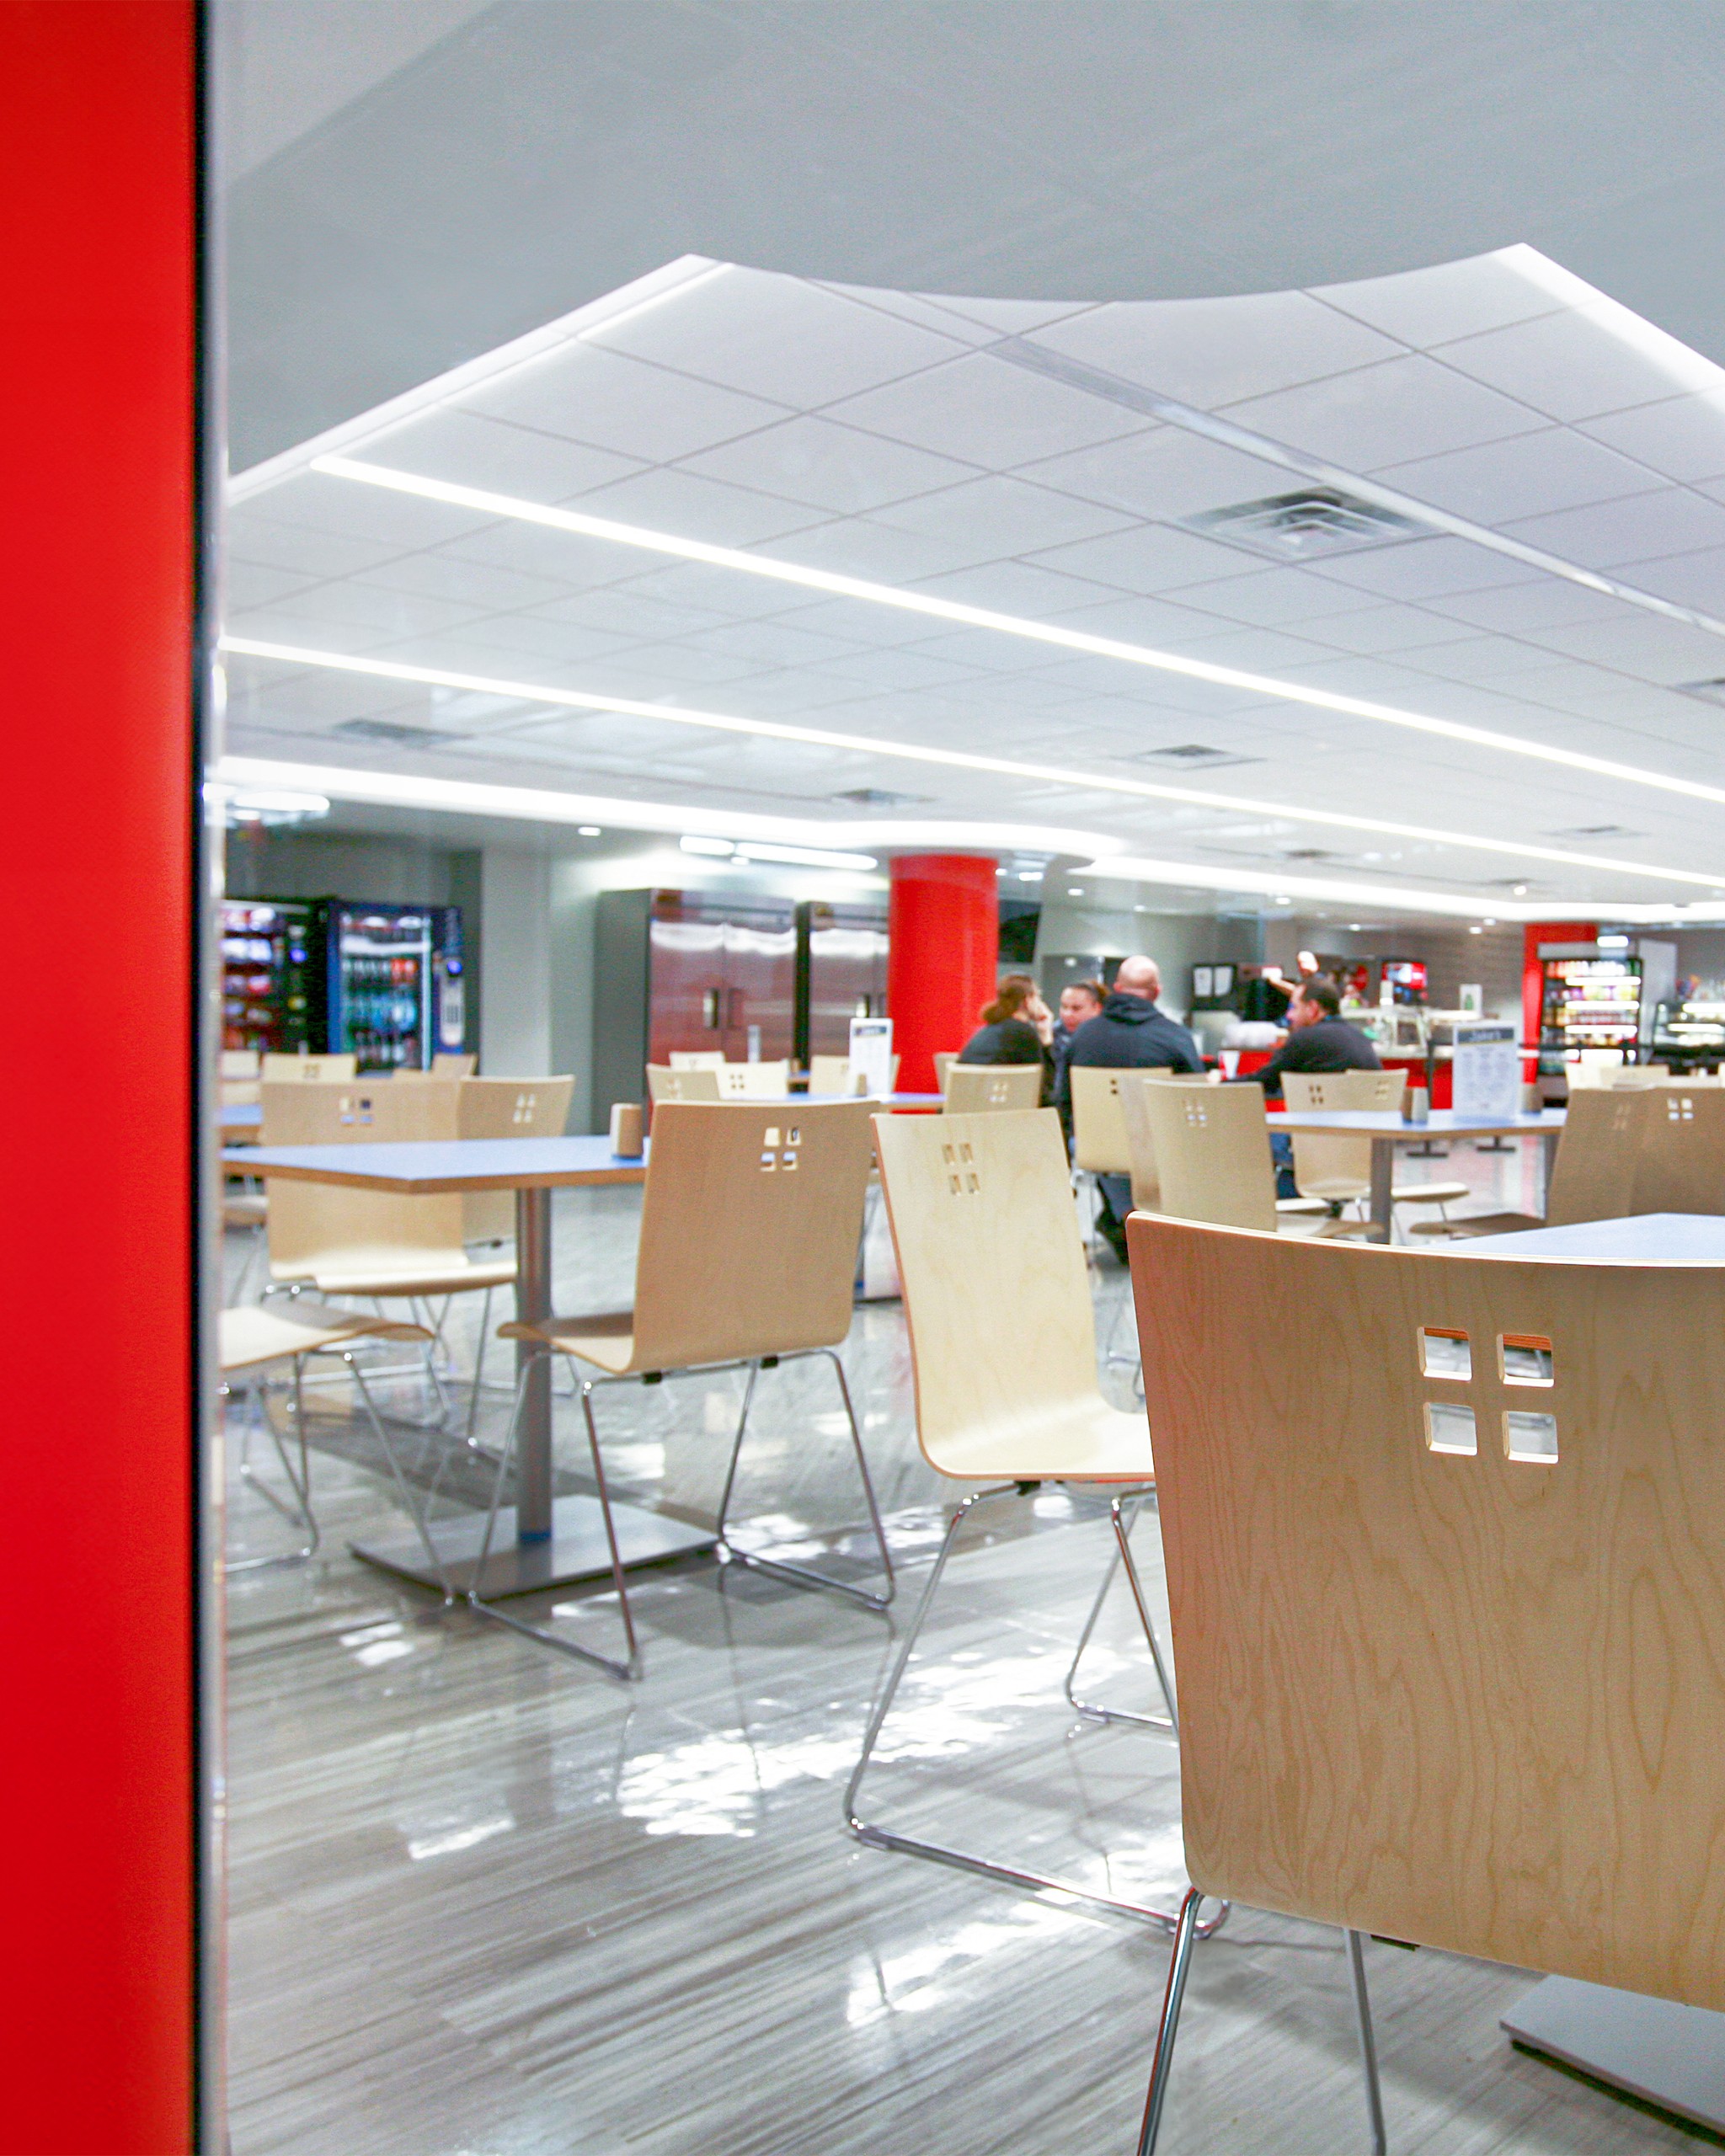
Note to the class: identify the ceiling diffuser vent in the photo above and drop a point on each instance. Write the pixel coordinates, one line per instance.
(881, 797)
(1301, 528)
(1192, 757)
(387, 729)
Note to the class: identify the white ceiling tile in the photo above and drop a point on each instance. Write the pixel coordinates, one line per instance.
(1682, 437)
(351, 602)
(564, 558)
(861, 547)
(1578, 363)
(1553, 469)
(891, 670)
(310, 555)
(1214, 351)
(1021, 588)
(345, 509)
(473, 449)
(1152, 558)
(721, 594)
(255, 584)
(1275, 598)
(519, 642)
(1257, 651)
(779, 641)
(1404, 408)
(997, 515)
(778, 337)
(1423, 568)
(283, 624)
(1448, 300)
(646, 412)
(1165, 473)
(484, 584)
(987, 411)
(829, 467)
(683, 502)
(1010, 317)
(1643, 527)
(1387, 628)
(1519, 608)
(856, 621)
(1695, 580)
(316, 698)
(1481, 658)
(1655, 650)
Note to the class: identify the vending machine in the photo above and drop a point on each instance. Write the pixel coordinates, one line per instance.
(1592, 1003)
(272, 975)
(397, 983)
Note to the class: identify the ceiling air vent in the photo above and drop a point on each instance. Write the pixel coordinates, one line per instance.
(1300, 527)
(881, 797)
(1191, 756)
(387, 729)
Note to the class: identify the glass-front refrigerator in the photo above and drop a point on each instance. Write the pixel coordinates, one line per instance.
(272, 975)
(1592, 1003)
(397, 983)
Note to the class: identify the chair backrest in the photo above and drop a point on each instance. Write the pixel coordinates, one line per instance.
(696, 1058)
(992, 1268)
(1638, 1077)
(1322, 1159)
(277, 1067)
(1450, 1624)
(1213, 1153)
(446, 1065)
(1140, 1139)
(317, 1226)
(944, 1059)
(754, 1082)
(1680, 1156)
(241, 1062)
(975, 1088)
(1100, 1144)
(505, 1107)
(750, 1225)
(1594, 1175)
(672, 1083)
(828, 1074)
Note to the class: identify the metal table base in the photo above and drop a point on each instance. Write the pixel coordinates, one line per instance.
(575, 1549)
(1667, 2055)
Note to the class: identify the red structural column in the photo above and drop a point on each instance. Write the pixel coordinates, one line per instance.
(1533, 978)
(943, 927)
(99, 1483)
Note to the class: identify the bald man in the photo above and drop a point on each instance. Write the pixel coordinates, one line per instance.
(1130, 1034)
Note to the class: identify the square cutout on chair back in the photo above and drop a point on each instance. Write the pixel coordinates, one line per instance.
(962, 1178)
(1530, 1438)
(1444, 1354)
(1450, 1427)
(1525, 1358)
(1680, 1110)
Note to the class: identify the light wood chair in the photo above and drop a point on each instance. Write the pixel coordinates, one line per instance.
(1499, 1531)
(366, 1243)
(696, 1058)
(1141, 1140)
(276, 1068)
(674, 1082)
(750, 1221)
(252, 1342)
(1100, 1144)
(1679, 1158)
(979, 1088)
(944, 1059)
(829, 1074)
(1594, 1175)
(1003, 1354)
(1211, 1149)
(1636, 1077)
(754, 1082)
(1339, 1169)
(506, 1107)
(447, 1065)
(241, 1062)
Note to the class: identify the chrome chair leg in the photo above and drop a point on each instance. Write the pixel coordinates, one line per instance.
(875, 1836)
(778, 1567)
(1368, 2043)
(416, 1508)
(480, 1363)
(1187, 1930)
(627, 1670)
(299, 1513)
(1123, 1527)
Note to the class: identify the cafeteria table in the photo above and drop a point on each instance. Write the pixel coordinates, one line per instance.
(1665, 2054)
(1388, 1131)
(539, 1542)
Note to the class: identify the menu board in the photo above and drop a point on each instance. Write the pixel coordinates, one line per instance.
(1488, 1071)
(872, 1055)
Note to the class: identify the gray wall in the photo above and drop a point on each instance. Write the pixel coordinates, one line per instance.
(298, 864)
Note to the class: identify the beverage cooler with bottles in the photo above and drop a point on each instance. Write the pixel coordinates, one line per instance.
(388, 983)
(1592, 1003)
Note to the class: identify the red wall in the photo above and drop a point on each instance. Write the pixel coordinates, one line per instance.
(944, 929)
(98, 1804)
(1533, 934)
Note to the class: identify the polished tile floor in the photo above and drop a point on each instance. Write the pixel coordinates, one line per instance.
(486, 1901)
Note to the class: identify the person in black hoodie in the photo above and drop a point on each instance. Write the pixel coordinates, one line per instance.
(1017, 1028)
(1132, 1033)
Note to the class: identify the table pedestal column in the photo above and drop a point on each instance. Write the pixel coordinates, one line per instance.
(533, 1366)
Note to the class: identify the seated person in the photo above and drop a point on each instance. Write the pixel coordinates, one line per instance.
(1319, 1039)
(1081, 1001)
(1017, 1028)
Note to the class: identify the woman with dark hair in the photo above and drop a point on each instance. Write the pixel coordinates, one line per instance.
(1017, 1028)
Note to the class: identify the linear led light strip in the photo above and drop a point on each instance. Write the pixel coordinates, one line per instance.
(837, 586)
(392, 670)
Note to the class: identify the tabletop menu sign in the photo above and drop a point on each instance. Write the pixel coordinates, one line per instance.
(1488, 1071)
(872, 1055)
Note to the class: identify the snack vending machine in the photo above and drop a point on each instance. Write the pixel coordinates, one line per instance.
(397, 983)
(272, 975)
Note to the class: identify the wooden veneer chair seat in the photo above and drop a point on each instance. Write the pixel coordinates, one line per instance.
(1003, 1353)
(751, 1217)
(1504, 1517)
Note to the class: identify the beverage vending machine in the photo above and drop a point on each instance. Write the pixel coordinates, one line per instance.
(396, 977)
(272, 975)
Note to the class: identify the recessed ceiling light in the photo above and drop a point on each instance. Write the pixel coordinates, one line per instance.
(588, 831)
(1029, 875)
(1354, 927)
(580, 522)
(390, 669)
(1476, 930)
(1519, 890)
(1075, 893)
(719, 848)
(1282, 901)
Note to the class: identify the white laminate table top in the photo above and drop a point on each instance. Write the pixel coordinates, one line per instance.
(431, 1167)
(1637, 1238)
(1443, 1122)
